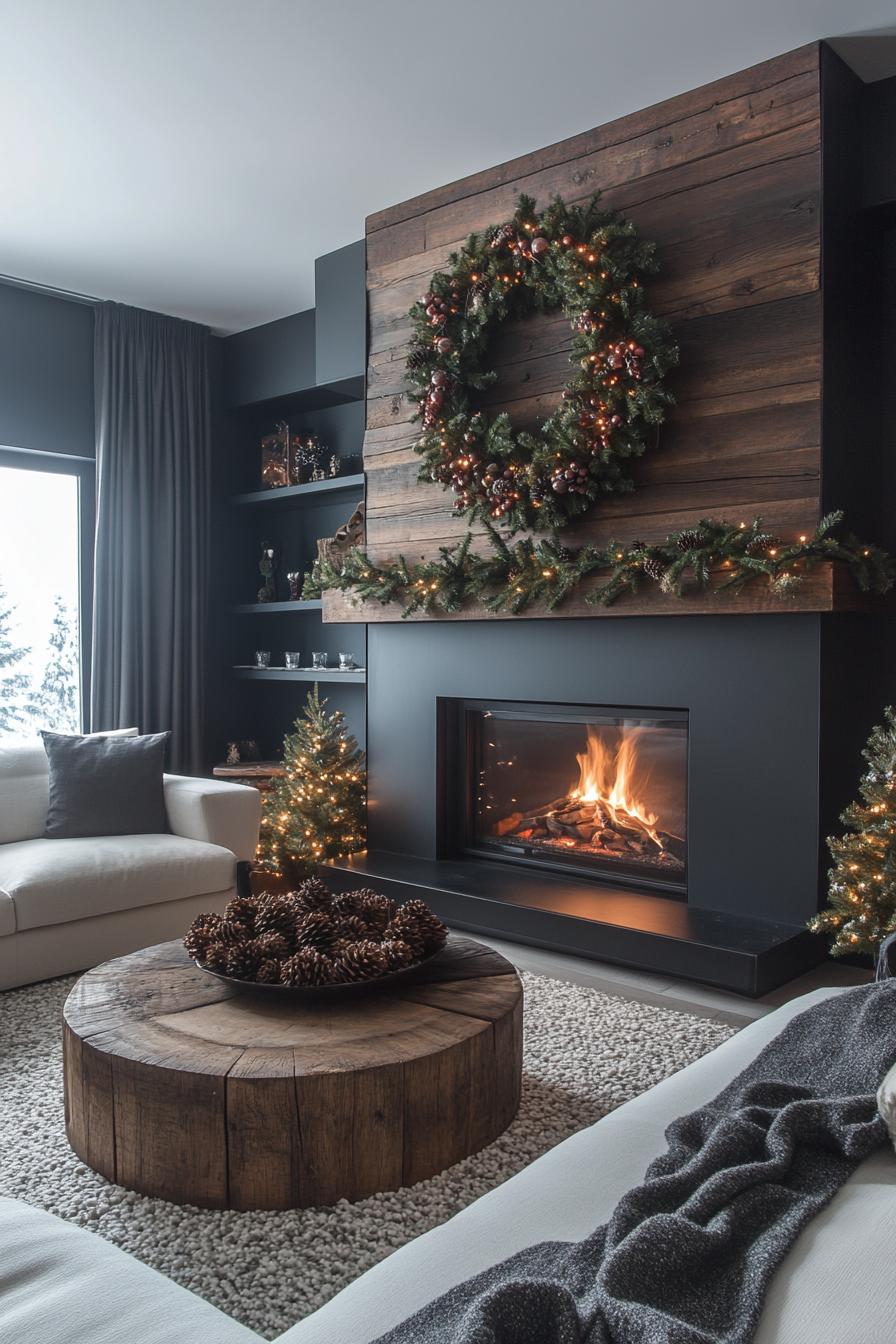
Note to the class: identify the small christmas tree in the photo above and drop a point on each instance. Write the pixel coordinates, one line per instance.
(316, 810)
(862, 883)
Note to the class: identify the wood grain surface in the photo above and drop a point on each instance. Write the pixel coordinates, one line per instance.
(179, 1087)
(726, 180)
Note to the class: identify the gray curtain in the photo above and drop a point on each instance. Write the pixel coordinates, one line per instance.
(153, 439)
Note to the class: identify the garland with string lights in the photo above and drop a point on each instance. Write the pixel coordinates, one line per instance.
(712, 556)
(862, 882)
(315, 811)
(591, 264)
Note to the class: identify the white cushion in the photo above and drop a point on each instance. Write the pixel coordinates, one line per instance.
(24, 787)
(59, 1285)
(837, 1283)
(53, 881)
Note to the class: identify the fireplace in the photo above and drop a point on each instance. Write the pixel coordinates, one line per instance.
(595, 790)
(710, 724)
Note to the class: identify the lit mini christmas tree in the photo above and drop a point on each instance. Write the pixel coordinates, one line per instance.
(862, 883)
(316, 810)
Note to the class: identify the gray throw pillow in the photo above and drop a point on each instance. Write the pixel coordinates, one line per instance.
(105, 785)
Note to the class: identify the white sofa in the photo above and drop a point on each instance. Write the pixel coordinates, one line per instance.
(69, 904)
(59, 1284)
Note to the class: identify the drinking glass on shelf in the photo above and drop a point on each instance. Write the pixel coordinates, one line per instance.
(346, 662)
(318, 660)
(293, 659)
(263, 658)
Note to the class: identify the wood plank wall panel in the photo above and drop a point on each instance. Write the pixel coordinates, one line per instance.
(726, 180)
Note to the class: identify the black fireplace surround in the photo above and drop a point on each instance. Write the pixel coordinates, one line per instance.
(767, 714)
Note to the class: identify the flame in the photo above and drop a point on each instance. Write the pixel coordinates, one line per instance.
(607, 776)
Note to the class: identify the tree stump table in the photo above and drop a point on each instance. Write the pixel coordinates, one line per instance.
(178, 1086)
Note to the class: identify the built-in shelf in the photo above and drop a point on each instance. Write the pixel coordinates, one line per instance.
(358, 677)
(314, 398)
(296, 494)
(260, 608)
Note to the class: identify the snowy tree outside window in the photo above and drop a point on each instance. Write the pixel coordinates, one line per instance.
(40, 676)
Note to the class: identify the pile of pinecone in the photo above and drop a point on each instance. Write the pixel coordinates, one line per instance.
(312, 937)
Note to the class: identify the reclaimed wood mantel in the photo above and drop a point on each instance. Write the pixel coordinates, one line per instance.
(727, 180)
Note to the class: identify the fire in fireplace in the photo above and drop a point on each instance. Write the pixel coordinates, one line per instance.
(580, 788)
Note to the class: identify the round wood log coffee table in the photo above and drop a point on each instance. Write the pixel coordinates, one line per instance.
(180, 1087)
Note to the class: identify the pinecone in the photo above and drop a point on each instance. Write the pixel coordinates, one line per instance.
(418, 357)
(200, 934)
(268, 972)
(230, 932)
(345, 903)
(398, 953)
(242, 960)
(273, 946)
(309, 967)
(405, 929)
(374, 909)
(762, 544)
(690, 539)
(276, 914)
(655, 569)
(433, 931)
(314, 894)
(241, 910)
(315, 929)
(504, 233)
(215, 957)
(364, 960)
(352, 928)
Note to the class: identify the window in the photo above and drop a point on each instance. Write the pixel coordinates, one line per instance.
(46, 525)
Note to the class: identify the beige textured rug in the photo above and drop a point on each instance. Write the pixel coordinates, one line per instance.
(585, 1053)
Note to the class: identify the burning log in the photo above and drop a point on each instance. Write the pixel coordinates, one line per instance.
(591, 826)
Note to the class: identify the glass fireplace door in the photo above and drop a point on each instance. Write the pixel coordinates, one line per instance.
(593, 789)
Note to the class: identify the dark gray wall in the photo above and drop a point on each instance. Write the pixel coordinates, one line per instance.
(273, 360)
(46, 373)
(340, 295)
(751, 686)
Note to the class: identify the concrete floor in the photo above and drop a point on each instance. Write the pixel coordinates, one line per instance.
(684, 995)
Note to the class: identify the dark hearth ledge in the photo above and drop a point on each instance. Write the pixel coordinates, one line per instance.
(587, 919)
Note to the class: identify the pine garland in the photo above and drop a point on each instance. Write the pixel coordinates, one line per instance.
(862, 882)
(711, 556)
(591, 264)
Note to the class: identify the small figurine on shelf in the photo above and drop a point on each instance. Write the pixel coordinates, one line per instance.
(310, 460)
(233, 753)
(267, 567)
(294, 579)
(275, 457)
(249, 750)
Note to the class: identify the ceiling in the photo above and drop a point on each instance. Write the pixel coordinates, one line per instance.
(195, 156)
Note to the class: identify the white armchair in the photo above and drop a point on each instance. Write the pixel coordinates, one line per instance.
(69, 904)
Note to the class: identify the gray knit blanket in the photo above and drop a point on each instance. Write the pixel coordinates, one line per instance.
(687, 1256)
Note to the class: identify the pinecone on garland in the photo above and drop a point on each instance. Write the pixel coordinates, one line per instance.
(690, 539)
(432, 930)
(309, 967)
(314, 894)
(653, 568)
(418, 358)
(276, 914)
(503, 234)
(762, 544)
(268, 972)
(315, 929)
(364, 960)
(397, 952)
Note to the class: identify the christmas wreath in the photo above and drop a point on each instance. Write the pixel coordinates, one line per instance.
(590, 263)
